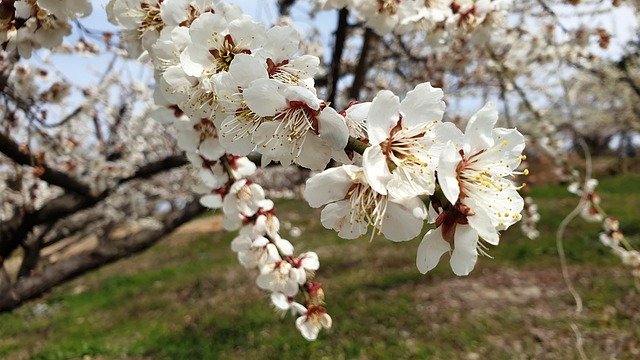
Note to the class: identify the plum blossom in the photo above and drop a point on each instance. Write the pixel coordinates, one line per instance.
(285, 303)
(31, 25)
(303, 129)
(312, 321)
(408, 135)
(216, 40)
(472, 172)
(287, 275)
(590, 199)
(352, 206)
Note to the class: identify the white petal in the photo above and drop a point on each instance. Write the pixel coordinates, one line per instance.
(423, 104)
(211, 201)
(465, 254)
(211, 149)
(264, 97)
(285, 247)
(246, 68)
(376, 170)
(399, 224)
(307, 328)
(280, 301)
(282, 42)
(329, 186)
(299, 93)
(430, 250)
(383, 116)
(336, 216)
(481, 223)
(478, 134)
(333, 129)
(411, 180)
(315, 154)
(447, 174)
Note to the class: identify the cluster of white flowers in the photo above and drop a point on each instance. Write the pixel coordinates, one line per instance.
(590, 199)
(439, 18)
(613, 238)
(34, 24)
(409, 146)
(530, 219)
(611, 235)
(230, 86)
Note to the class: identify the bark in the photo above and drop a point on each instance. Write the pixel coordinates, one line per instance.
(105, 253)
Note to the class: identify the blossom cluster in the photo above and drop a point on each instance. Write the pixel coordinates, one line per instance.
(412, 156)
(230, 87)
(611, 236)
(32, 24)
(530, 219)
(438, 18)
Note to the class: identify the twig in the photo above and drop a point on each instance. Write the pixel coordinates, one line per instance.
(338, 49)
(363, 65)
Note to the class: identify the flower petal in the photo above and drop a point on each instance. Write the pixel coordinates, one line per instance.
(478, 134)
(481, 223)
(328, 186)
(375, 168)
(383, 116)
(400, 224)
(422, 104)
(264, 97)
(336, 216)
(431, 249)
(333, 129)
(465, 253)
(447, 174)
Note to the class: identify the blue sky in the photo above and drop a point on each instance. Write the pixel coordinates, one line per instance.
(83, 70)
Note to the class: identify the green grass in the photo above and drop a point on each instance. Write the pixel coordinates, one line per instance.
(187, 298)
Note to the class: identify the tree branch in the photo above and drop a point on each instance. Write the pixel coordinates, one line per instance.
(338, 49)
(54, 177)
(13, 231)
(363, 65)
(105, 253)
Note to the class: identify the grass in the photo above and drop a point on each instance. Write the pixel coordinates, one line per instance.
(187, 298)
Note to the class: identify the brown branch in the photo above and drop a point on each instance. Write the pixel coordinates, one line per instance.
(338, 49)
(105, 253)
(363, 65)
(14, 231)
(284, 6)
(54, 177)
(32, 253)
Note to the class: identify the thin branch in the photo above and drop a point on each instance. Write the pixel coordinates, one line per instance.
(105, 253)
(54, 177)
(338, 49)
(363, 65)
(13, 231)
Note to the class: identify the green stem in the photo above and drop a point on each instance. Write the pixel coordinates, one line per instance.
(356, 145)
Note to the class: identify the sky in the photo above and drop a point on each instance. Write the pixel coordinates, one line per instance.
(78, 69)
(84, 70)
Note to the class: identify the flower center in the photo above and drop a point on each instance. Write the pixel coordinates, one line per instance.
(471, 178)
(151, 20)
(298, 119)
(225, 55)
(281, 73)
(206, 128)
(366, 205)
(244, 123)
(388, 6)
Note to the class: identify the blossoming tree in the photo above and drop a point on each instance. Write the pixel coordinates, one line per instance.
(234, 94)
